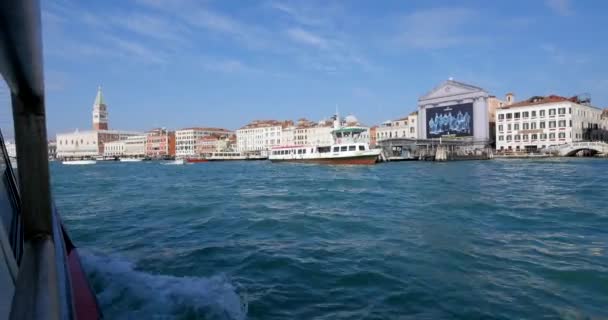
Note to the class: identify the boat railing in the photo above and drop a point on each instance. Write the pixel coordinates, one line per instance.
(42, 286)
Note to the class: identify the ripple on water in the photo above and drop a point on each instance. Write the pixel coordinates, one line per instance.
(460, 240)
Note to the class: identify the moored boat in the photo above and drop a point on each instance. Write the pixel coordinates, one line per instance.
(196, 160)
(78, 162)
(225, 156)
(348, 148)
(131, 159)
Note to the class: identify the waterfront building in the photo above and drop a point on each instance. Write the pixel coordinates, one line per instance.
(87, 143)
(160, 143)
(261, 135)
(373, 137)
(543, 121)
(114, 148)
(135, 146)
(312, 133)
(404, 128)
(52, 149)
(213, 143)
(187, 139)
(456, 111)
(90, 143)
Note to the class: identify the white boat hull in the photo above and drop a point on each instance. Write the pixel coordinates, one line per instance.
(130, 160)
(79, 162)
(174, 162)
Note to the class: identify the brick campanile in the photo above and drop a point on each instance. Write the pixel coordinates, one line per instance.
(100, 112)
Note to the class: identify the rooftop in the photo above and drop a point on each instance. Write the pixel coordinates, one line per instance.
(267, 123)
(205, 129)
(536, 100)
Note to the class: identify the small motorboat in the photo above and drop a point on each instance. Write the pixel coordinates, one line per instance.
(131, 159)
(174, 162)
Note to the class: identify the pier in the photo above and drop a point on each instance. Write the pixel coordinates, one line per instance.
(434, 149)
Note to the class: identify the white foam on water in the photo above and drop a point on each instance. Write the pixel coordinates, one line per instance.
(126, 293)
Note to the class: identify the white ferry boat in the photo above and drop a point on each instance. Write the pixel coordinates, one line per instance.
(348, 148)
(131, 159)
(78, 162)
(225, 156)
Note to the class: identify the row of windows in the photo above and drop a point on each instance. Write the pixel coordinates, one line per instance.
(71, 142)
(528, 114)
(320, 149)
(525, 137)
(533, 125)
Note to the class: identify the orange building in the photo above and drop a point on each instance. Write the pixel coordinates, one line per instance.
(160, 143)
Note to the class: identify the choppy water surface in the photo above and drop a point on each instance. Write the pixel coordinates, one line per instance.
(252, 240)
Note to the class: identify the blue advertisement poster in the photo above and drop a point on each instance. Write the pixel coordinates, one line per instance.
(455, 121)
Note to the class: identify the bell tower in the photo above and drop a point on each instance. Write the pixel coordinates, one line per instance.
(100, 112)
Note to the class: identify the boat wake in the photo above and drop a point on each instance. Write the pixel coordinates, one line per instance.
(126, 293)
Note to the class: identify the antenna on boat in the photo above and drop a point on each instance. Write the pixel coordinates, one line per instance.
(337, 118)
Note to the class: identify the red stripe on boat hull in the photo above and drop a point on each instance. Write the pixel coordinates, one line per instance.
(196, 160)
(85, 303)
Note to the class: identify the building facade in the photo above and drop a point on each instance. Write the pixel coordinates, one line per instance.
(540, 122)
(79, 144)
(160, 143)
(52, 149)
(213, 143)
(186, 139)
(261, 135)
(403, 128)
(114, 149)
(135, 146)
(454, 110)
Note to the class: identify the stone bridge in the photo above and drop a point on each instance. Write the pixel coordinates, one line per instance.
(570, 149)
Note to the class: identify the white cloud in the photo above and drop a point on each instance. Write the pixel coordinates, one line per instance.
(437, 28)
(226, 65)
(560, 7)
(307, 38)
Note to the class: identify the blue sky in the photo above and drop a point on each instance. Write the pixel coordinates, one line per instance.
(223, 63)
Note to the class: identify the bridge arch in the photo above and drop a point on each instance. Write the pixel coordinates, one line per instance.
(573, 152)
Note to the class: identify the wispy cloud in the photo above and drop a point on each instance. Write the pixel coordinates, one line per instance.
(109, 36)
(224, 65)
(562, 57)
(307, 38)
(198, 15)
(560, 7)
(437, 28)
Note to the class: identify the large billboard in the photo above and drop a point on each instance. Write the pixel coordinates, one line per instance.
(454, 121)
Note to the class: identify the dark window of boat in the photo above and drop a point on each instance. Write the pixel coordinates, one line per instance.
(299, 151)
(343, 148)
(362, 148)
(336, 149)
(352, 148)
(304, 151)
(323, 149)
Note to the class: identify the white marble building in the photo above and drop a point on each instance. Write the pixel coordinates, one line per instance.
(87, 143)
(403, 128)
(449, 99)
(114, 149)
(540, 122)
(260, 135)
(187, 139)
(135, 146)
